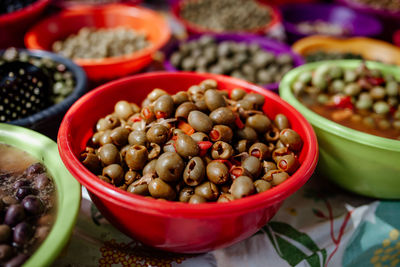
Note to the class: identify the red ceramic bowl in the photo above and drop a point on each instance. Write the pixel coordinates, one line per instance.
(14, 25)
(45, 33)
(78, 3)
(175, 226)
(197, 29)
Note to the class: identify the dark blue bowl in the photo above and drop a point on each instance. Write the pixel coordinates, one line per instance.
(48, 120)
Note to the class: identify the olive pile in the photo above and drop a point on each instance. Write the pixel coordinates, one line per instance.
(101, 43)
(195, 146)
(26, 204)
(321, 27)
(9, 6)
(322, 55)
(29, 84)
(390, 5)
(361, 96)
(240, 60)
(225, 15)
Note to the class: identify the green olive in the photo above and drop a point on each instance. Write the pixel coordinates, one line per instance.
(262, 185)
(208, 190)
(269, 165)
(260, 151)
(137, 138)
(281, 121)
(185, 146)
(138, 189)
(200, 137)
(164, 106)
(114, 172)
(160, 189)
(214, 99)
(247, 133)
(288, 163)
(208, 84)
(196, 199)
(123, 109)
(136, 157)
(91, 161)
(180, 98)
(223, 115)
(194, 172)
(131, 176)
(242, 146)
(119, 136)
(252, 165)
(109, 154)
(242, 187)
(259, 122)
(169, 166)
(185, 194)
(291, 139)
(237, 94)
(157, 134)
(107, 123)
(184, 109)
(221, 133)
(257, 99)
(221, 150)
(225, 197)
(200, 121)
(217, 172)
(155, 94)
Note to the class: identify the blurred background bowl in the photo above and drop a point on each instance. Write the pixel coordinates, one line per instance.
(68, 190)
(268, 45)
(197, 29)
(77, 3)
(175, 226)
(368, 48)
(60, 26)
(48, 120)
(14, 25)
(359, 162)
(357, 24)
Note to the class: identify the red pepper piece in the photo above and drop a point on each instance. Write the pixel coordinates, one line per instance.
(376, 80)
(161, 115)
(236, 171)
(239, 122)
(136, 119)
(204, 147)
(256, 153)
(147, 113)
(214, 134)
(342, 102)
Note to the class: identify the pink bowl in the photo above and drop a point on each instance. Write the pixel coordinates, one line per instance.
(174, 226)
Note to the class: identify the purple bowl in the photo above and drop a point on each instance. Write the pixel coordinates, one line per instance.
(358, 24)
(265, 44)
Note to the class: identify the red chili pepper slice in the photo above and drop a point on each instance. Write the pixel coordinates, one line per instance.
(214, 134)
(239, 122)
(136, 119)
(376, 80)
(236, 171)
(226, 162)
(342, 102)
(161, 115)
(204, 147)
(147, 113)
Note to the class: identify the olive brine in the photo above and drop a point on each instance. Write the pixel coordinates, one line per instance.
(27, 205)
(196, 146)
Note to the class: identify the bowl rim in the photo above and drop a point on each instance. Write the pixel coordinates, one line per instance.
(292, 27)
(276, 18)
(330, 126)
(21, 13)
(85, 10)
(172, 208)
(247, 37)
(68, 190)
(79, 89)
(368, 9)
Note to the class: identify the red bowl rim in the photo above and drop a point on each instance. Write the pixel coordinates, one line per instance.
(119, 197)
(194, 28)
(23, 12)
(31, 43)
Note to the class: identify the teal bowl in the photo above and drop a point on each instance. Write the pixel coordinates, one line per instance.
(68, 190)
(359, 162)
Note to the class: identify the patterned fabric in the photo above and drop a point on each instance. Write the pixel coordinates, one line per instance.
(320, 225)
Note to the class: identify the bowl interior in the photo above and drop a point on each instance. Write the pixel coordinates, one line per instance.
(68, 189)
(197, 29)
(329, 125)
(78, 124)
(58, 27)
(358, 24)
(24, 12)
(266, 44)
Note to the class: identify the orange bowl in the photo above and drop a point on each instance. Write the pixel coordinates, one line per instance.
(60, 26)
(368, 48)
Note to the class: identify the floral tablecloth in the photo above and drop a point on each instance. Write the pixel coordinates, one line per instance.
(320, 225)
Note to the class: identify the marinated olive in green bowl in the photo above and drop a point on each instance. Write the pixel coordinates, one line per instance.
(354, 109)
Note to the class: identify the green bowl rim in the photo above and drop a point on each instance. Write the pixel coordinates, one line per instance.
(329, 125)
(67, 206)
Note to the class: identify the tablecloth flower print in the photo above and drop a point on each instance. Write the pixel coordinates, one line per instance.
(319, 226)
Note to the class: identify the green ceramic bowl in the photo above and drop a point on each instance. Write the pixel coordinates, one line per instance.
(68, 189)
(359, 162)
